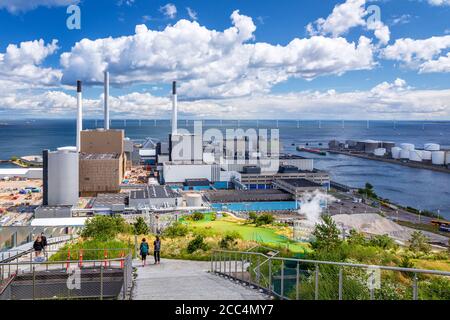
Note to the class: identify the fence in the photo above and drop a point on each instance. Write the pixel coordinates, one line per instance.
(299, 279)
(73, 278)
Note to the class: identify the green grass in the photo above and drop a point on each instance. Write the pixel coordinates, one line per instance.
(263, 235)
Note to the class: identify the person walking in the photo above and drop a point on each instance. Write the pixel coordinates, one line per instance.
(44, 241)
(157, 250)
(144, 251)
(38, 247)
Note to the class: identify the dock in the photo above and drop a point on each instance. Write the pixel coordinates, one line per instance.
(406, 163)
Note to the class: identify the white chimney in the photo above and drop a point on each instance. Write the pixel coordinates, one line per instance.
(79, 115)
(174, 109)
(106, 102)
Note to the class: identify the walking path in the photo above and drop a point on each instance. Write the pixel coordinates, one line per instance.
(187, 280)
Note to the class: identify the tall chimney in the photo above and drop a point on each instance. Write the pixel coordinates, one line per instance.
(79, 115)
(174, 109)
(106, 96)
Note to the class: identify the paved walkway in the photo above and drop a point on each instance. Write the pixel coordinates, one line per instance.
(187, 280)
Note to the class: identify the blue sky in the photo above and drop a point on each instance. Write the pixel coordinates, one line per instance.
(300, 79)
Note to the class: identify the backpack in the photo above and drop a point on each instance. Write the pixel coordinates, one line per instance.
(144, 248)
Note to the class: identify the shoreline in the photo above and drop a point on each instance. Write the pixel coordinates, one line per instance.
(415, 165)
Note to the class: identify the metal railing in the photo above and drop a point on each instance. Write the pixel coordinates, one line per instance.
(300, 279)
(69, 279)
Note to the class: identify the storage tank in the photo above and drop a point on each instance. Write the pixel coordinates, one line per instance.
(380, 152)
(387, 145)
(426, 155)
(370, 146)
(438, 158)
(193, 200)
(415, 155)
(447, 158)
(404, 154)
(63, 177)
(396, 152)
(432, 147)
(407, 146)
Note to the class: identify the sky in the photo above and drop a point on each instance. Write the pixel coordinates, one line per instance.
(232, 59)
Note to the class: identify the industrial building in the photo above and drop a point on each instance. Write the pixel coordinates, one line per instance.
(60, 177)
(297, 187)
(100, 173)
(155, 197)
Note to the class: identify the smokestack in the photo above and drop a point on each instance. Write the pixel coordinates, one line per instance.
(174, 109)
(106, 100)
(45, 178)
(79, 115)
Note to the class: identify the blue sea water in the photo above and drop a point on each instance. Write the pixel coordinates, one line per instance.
(418, 188)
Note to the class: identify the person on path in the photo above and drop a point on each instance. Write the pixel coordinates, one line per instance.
(157, 250)
(144, 251)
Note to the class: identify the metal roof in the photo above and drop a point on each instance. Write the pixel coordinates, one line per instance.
(154, 192)
(300, 183)
(99, 156)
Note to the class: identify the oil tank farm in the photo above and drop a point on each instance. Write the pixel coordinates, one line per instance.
(396, 152)
(432, 147)
(415, 155)
(438, 158)
(61, 178)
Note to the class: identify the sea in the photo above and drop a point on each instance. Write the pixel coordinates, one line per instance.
(418, 188)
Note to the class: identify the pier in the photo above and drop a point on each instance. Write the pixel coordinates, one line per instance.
(406, 163)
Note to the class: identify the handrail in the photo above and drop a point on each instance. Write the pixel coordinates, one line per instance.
(344, 264)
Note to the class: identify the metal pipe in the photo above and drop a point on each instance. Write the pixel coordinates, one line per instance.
(79, 114)
(316, 283)
(174, 109)
(282, 280)
(106, 100)
(340, 283)
(297, 281)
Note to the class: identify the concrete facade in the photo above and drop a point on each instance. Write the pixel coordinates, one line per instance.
(102, 141)
(100, 173)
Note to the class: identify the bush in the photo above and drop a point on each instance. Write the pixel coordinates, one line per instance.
(140, 227)
(104, 228)
(383, 241)
(197, 244)
(264, 219)
(196, 216)
(419, 243)
(177, 229)
(229, 240)
(111, 247)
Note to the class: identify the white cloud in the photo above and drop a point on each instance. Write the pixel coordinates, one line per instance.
(16, 6)
(423, 55)
(211, 63)
(192, 14)
(439, 2)
(169, 10)
(348, 15)
(21, 65)
(387, 100)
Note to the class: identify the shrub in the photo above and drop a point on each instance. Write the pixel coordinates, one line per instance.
(356, 238)
(229, 240)
(419, 243)
(383, 241)
(177, 229)
(104, 228)
(109, 247)
(140, 227)
(264, 219)
(197, 244)
(196, 216)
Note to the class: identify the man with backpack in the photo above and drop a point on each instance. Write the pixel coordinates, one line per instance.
(143, 250)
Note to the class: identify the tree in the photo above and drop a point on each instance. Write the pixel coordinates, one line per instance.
(264, 219)
(197, 244)
(140, 227)
(177, 229)
(419, 242)
(326, 234)
(104, 228)
(252, 217)
(356, 238)
(383, 241)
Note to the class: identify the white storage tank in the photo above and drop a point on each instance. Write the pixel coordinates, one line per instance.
(438, 158)
(193, 200)
(63, 177)
(415, 155)
(396, 152)
(404, 154)
(447, 158)
(407, 146)
(380, 152)
(432, 147)
(426, 155)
